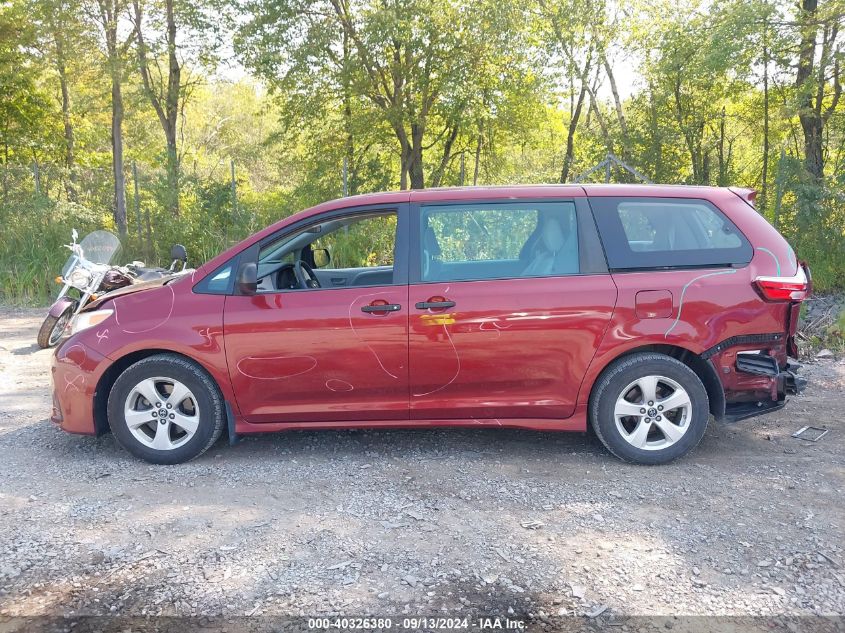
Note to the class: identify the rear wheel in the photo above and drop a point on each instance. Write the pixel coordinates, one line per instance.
(54, 327)
(649, 408)
(165, 409)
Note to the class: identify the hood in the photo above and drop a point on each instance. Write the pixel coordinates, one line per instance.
(128, 290)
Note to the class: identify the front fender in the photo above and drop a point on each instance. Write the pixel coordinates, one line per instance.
(61, 304)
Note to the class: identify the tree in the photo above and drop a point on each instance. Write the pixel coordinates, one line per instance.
(818, 65)
(575, 31)
(412, 63)
(697, 61)
(27, 116)
(108, 14)
(167, 90)
(61, 40)
(165, 100)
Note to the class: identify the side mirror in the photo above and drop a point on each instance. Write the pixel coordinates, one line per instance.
(177, 251)
(247, 281)
(322, 258)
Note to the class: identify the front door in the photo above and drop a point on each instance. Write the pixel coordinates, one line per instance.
(508, 304)
(298, 351)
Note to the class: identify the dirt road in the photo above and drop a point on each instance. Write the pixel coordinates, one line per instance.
(418, 522)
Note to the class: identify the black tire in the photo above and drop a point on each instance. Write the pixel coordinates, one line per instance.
(212, 416)
(622, 373)
(51, 330)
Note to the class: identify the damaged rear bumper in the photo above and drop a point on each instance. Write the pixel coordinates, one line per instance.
(782, 383)
(793, 383)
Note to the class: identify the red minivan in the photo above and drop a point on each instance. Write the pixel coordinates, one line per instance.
(641, 310)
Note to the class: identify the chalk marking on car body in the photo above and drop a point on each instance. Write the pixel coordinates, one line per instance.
(684, 291)
(117, 301)
(276, 358)
(774, 257)
(358, 336)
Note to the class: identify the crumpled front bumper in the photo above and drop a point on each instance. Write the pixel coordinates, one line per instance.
(76, 370)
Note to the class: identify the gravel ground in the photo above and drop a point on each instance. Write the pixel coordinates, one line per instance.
(418, 522)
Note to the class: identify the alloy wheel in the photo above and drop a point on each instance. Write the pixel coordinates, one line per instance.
(161, 413)
(653, 413)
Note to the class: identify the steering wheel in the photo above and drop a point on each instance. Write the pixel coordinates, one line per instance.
(305, 275)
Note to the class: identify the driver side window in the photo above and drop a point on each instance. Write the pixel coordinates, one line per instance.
(347, 251)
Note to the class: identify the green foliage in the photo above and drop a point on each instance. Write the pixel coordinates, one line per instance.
(368, 242)
(481, 234)
(31, 255)
(812, 219)
(412, 93)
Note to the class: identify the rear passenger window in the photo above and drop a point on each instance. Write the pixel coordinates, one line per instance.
(667, 232)
(498, 241)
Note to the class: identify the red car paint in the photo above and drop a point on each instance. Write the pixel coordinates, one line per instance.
(514, 352)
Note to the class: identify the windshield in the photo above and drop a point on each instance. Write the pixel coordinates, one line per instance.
(99, 247)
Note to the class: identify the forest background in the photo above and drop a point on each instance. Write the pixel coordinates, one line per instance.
(176, 121)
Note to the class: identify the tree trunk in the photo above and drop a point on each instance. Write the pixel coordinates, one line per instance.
(437, 176)
(174, 83)
(813, 145)
(605, 133)
(656, 140)
(5, 163)
(166, 106)
(570, 135)
(477, 155)
(415, 157)
(404, 159)
(620, 113)
(810, 81)
(61, 69)
(764, 181)
(172, 173)
(117, 153)
(109, 13)
(813, 160)
(722, 179)
(352, 182)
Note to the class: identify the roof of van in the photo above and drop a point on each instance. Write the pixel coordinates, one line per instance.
(527, 191)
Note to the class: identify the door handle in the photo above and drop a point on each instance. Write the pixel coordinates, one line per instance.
(384, 307)
(425, 305)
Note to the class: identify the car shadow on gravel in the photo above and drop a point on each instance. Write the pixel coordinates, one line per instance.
(513, 444)
(404, 443)
(726, 441)
(26, 351)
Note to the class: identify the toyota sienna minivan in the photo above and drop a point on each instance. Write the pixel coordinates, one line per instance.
(639, 310)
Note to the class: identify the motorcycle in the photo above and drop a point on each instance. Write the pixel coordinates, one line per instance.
(88, 272)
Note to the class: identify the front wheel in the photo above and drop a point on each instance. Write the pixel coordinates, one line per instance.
(165, 409)
(649, 408)
(54, 326)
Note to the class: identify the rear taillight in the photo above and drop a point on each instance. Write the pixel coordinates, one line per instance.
(794, 288)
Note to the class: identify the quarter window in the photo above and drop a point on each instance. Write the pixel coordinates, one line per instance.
(498, 240)
(666, 232)
(219, 282)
